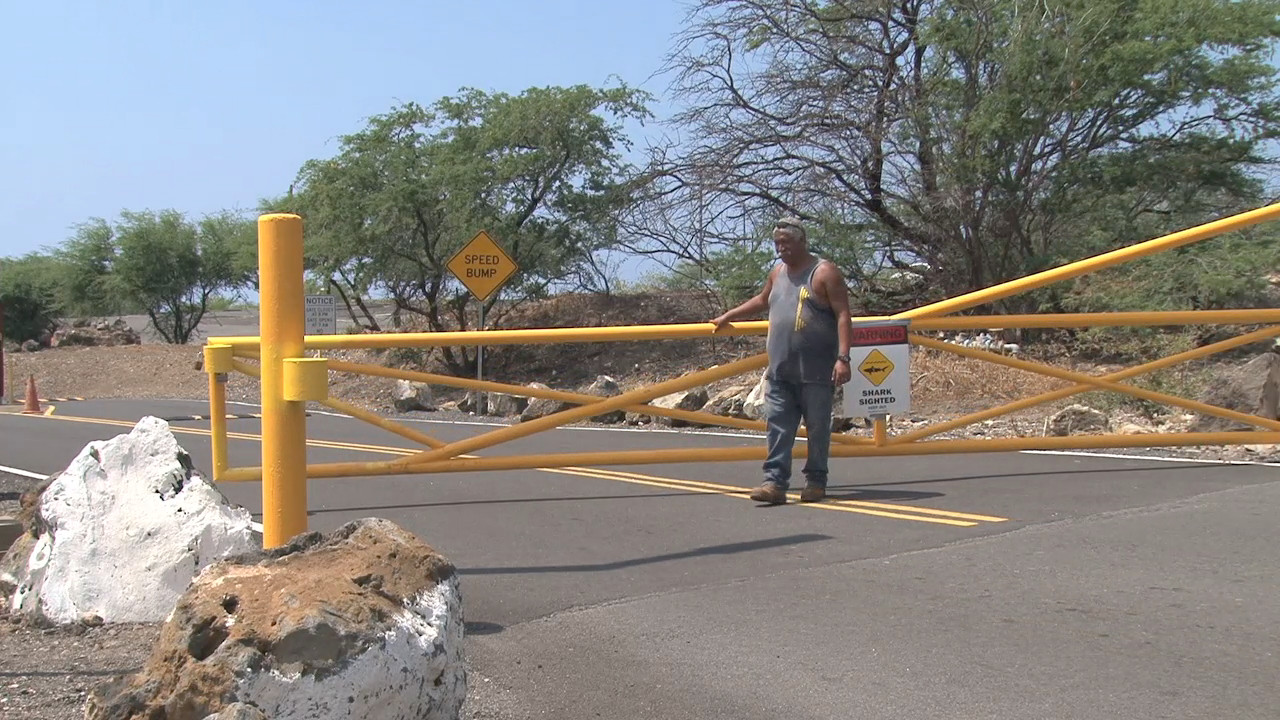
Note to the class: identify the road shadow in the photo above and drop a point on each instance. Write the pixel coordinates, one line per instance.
(726, 549)
(481, 627)
(1167, 467)
(858, 492)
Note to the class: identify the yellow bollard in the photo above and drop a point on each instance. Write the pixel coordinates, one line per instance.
(881, 431)
(218, 360)
(284, 430)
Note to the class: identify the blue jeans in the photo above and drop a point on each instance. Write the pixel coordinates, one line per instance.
(785, 403)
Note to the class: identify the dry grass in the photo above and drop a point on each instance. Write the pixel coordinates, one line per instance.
(943, 383)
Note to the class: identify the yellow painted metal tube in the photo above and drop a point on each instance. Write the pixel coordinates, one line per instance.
(521, 462)
(616, 402)
(218, 424)
(385, 424)
(246, 343)
(1105, 319)
(688, 455)
(520, 337)
(562, 396)
(246, 368)
(1070, 442)
(284, 433)
(242, 474)
(218, 361)
(1054, 395)
(362, 414)
(216, 365)
(1098, 383)
(1097, 262)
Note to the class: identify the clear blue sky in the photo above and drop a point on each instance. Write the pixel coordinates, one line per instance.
(203, 106)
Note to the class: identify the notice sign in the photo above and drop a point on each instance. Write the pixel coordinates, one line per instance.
(321, 315)
(881, 361)
(482, 265)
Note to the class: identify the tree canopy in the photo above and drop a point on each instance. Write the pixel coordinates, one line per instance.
(984, 138)
(30, 294)
(540, 171)
(171, 267)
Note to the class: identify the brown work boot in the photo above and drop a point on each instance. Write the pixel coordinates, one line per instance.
(813, 493)
(769, 493)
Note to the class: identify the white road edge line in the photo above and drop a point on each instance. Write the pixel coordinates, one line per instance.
(22, 473)
(1117, 456)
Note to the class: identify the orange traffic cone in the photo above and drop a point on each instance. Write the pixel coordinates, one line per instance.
(32, 406)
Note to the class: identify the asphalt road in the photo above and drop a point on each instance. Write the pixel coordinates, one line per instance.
(1011, 585)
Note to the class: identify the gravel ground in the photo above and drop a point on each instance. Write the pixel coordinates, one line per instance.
(47, 673)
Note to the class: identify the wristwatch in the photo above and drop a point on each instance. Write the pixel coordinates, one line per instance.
(843, 357)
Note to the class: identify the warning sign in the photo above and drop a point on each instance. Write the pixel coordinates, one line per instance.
(482, 265)
(864, 335)
(876, 367)
(882, 384)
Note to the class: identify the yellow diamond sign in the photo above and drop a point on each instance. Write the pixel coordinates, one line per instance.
(482, 265)
(876, 367)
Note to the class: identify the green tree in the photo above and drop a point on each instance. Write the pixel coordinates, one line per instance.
(30, 291)
(727, 277)
(235, 238)
(86, 260)
(172, 267)
(540, 171)
(984, 138)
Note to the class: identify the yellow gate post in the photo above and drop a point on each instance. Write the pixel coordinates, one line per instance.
(218, 362)
(284, 430)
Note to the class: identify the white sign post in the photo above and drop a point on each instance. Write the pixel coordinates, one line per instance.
(321, 313)
(880, 358)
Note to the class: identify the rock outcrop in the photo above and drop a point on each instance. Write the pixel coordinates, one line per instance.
(690, 400)
(753, 403)
(605, 386)
(504, 405)
(365, 622)
(541, 407)
(1078, 420)
(1252, 388)
(410, 396)
(120, 533)
(87, 333)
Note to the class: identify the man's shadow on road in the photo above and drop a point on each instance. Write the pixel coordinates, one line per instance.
(854, 491)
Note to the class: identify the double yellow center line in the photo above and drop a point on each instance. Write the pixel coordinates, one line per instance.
(897, 512)
(885, 510)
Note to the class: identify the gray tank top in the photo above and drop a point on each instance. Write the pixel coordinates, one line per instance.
(802, 341)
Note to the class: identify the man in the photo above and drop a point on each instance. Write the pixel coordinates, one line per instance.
(808, 346)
